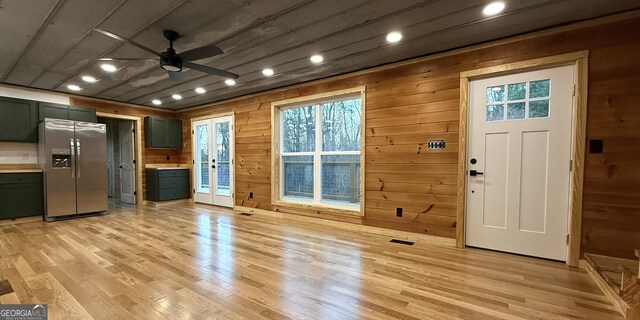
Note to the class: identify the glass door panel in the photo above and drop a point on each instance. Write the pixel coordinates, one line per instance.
(202, 171)
(223, 136)
(202, 158)
(223, 163)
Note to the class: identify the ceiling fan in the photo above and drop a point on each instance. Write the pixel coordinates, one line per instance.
(172, 61)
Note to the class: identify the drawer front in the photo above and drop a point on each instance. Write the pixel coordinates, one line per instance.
(173, 173)
(173, 194)
(16, 178)
(174, 182)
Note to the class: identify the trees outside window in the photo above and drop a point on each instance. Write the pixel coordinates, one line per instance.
(320, 151)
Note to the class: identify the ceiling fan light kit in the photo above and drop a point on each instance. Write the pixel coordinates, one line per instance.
(172, 61)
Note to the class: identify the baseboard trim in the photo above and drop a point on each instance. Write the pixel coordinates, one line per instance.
(348, 226)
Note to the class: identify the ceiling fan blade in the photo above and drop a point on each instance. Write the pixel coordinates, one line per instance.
(175, 76)
(127, 59)
(200, 53)
(125, 40)
(210, 70)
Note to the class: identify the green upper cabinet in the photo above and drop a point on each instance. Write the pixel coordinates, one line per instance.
(18, 120)
(82, 114)
(61, 111)
(52, 110)
(163, 132)
(174, 133)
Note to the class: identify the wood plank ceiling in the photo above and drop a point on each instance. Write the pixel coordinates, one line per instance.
(50, 44)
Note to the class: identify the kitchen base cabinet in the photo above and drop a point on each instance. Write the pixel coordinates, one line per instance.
(21, 195)
(167, 184)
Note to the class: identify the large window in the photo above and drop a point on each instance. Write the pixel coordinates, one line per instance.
(319, 151)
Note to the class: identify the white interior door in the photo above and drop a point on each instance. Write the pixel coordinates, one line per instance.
(213, 161)
(519, 162)
(127, 166)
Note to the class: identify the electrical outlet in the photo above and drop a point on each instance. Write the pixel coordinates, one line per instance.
(250, 195)
(398, 212)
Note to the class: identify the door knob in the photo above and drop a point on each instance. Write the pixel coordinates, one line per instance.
(213, 166)
(474, 173)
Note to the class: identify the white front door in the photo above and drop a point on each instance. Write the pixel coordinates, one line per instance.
(518, 164)
(127, 167)
(213, 161)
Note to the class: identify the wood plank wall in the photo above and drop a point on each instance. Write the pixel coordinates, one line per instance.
(148, 155)
(410, 104)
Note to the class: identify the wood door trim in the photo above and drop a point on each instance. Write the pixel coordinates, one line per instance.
(232, 132)
(138, 149)
(578, 136)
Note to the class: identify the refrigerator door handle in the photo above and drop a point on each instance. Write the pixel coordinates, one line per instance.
(78, 157)
(72, 157)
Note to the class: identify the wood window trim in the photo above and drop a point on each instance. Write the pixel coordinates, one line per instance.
(275, 153)
(578, 138)
(138, 149)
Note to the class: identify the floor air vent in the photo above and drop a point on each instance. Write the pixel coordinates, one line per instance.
(409, 243)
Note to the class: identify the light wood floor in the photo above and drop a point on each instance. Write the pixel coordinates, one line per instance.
(187, 261)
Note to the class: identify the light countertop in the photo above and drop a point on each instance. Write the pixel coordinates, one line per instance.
(166, 166)
(20, 171)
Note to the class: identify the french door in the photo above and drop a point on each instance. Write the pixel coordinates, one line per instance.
(519, 144)
(213, 161)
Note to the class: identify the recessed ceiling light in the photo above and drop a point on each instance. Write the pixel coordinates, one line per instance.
(316, 58)
(230, 82)
(493, 8)
(394, 37)
(74, 87)
(200, 90)
(108, 67)
(89, 79)
(176, 96)
(156, 102)
(267, 72)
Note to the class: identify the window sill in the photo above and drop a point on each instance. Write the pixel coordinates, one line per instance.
(328, 208)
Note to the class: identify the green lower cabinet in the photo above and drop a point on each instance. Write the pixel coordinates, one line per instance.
(18, 120)
(21, 195)
(171, 184)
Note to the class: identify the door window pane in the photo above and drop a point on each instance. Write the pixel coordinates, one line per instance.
(539, 109)
(298, 129)
(515, 110)
(495, 112)
(298, 177)
(495, 94)
(517, 91)
(202, 158)
(341, 179)
(539, 89)
(341, 125)
(223, 163)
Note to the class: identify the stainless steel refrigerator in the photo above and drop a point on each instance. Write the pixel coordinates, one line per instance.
(73, 157)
